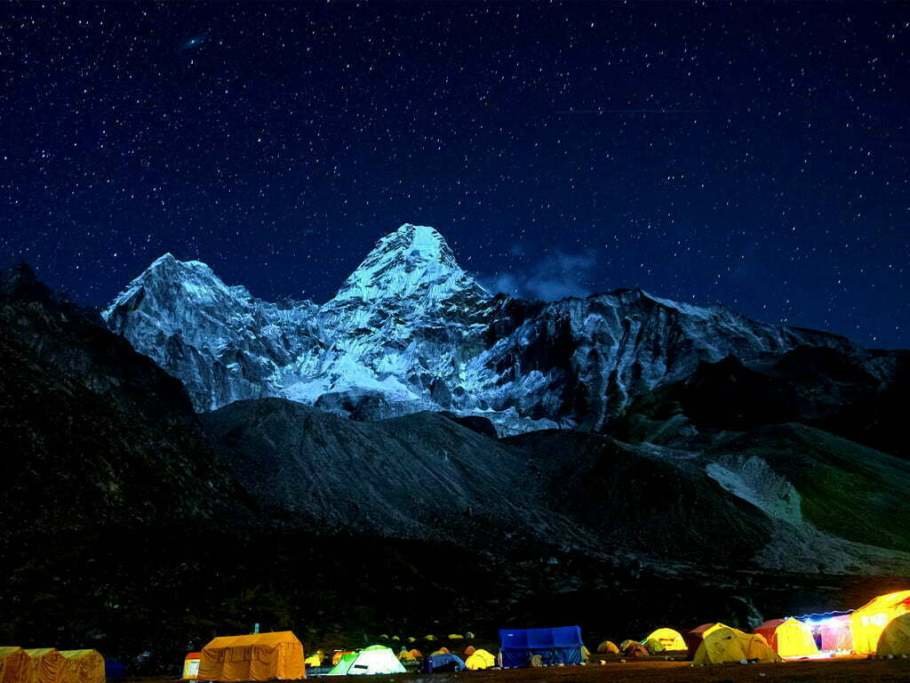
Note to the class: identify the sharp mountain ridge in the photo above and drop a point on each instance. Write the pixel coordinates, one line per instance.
(410, 330)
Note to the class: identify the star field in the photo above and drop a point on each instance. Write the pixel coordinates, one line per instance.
(753, 154)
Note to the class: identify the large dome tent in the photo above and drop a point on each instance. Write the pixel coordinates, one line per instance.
(869, 621)
(725, 645)
(895, 639)
(664, 640)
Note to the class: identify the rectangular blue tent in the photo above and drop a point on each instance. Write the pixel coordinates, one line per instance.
(559, 645)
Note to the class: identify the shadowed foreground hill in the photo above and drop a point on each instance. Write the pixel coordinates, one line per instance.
(416, 476)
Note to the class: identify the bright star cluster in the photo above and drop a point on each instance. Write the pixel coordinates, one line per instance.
(749, 153)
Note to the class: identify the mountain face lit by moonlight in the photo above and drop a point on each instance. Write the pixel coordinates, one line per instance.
(410, 330)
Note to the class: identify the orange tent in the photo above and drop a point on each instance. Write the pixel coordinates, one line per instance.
(338, 654)
(253, 657)
(82, 666)
(13, 664)
(45, 665)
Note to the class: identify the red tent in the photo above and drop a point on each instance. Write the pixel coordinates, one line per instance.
(769, 630)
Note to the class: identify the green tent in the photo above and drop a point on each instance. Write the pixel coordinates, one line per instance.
(376, 659)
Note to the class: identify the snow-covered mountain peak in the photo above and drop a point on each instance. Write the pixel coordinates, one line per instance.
(414, 261)
(168, 280)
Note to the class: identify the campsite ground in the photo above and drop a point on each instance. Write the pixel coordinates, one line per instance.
(837, 670)
(841, 670)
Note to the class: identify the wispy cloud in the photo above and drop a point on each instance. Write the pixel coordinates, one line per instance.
(553, 277)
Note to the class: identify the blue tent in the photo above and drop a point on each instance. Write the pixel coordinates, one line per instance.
(560, 645)
(443, 662)
(114, 670)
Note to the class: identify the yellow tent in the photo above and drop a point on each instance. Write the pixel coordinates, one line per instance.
(13, 664)
(82, 666)
(608, 647)
(665, 640)
(253, 657)
(868, 622)
(895, 639)
(789, 637)
(481, 659)
(45, 665)
(315, 659)
(455, 636)
(406, 656)
(725, 644)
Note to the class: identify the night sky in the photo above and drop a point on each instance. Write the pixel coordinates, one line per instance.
(754, 155)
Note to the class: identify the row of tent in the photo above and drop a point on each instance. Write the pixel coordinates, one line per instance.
(48, 665)
(881, 627)
(279, 655)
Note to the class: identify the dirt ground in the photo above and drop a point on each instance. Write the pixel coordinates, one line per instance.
(841, 670)
(837, 670)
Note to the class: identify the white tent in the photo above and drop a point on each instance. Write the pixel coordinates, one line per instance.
(376, 659)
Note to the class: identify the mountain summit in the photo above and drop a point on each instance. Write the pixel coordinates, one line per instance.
(410, 330)
(412, 262)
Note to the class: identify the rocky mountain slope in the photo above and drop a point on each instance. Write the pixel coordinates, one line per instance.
(410, 330)
(406, 477)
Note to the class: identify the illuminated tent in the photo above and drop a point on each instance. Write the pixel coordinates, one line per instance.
(45, 665)
(560, 645)
(405, 656)
(725, 645)
(788, 637)
(895, 639)
(834, 633)
(608, 647)
(253, 657)
(479, 660)
(82, 666)
(376, 659)
(13, 664)
(315, 659)
(868, 622)
(695, 637)
(191, 666)
(665, 640)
